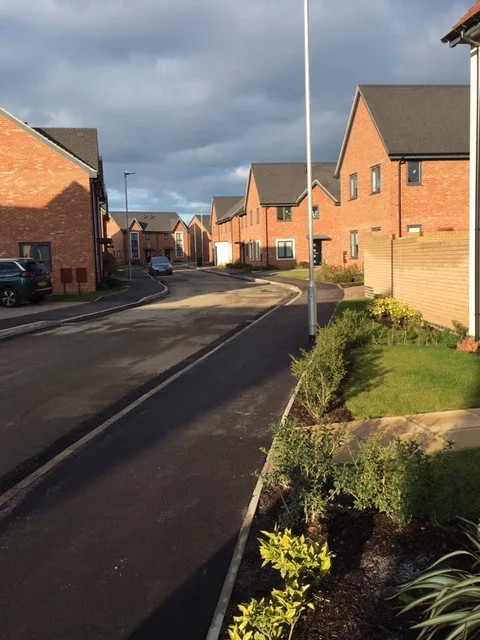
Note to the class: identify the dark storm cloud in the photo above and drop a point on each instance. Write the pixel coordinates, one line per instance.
(187, 92)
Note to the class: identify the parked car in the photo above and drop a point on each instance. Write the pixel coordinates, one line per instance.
(160, 266)
(22, 280)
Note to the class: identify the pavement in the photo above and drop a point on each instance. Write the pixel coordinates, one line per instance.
(80, 374)
(130, 538)
(432, 431)
(26, 319)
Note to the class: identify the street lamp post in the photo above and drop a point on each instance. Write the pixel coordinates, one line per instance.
(312, 298)
(129, 248)
(201, 233)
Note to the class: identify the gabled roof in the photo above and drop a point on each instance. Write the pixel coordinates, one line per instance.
(286, 183)
(203, 219)
(416, 120)
(223, 204)
(151, 221)
(83, 143)
(39, 134)
(469, 20)
(237, 209)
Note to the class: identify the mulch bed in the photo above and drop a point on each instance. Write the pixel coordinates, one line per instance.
(372, 559)
(300, 414)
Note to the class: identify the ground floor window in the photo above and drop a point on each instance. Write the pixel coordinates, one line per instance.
(37, 251)
(353, 245)
(285, 249)
(414, 228)
(258, 251)
(179, 245)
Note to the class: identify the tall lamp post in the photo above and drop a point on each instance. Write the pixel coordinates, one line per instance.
(129, 248)
(312, 298)
(201, 233)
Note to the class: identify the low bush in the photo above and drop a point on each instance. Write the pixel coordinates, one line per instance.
(339, 274)
(448, 598)
(112, 282)
(102, 286)
(400, 314)
(460, 329)
(303, 265)
(303, 470)
(229, 265)
(296, 560)
(110, 264)
(323, 369)
(268, 268)
(404, 482)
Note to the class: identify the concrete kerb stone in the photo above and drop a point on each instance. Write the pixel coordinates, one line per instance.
(284, 285)
(33, 327)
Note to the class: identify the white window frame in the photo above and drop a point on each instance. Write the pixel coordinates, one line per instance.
(292, 240)
(257, 251)
(414, 228)
(354, 246)
(181, 253)
(376, 179)
(353, 182)
(315, 212)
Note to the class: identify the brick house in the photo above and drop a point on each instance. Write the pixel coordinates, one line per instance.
(403, 164)
(273, 224)
(52, 198)
(152, 233)
(200, 230)
(223, 225)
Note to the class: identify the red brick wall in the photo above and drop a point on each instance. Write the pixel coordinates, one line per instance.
(44, 197)
(201, 239)
(268, 230)
(440, 203)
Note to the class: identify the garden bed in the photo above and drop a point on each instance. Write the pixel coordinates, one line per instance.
(373, 558)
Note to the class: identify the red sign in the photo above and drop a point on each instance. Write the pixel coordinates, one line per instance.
(66, 276)
(81, 274)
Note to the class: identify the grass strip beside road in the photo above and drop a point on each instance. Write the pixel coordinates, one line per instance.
(91, 296)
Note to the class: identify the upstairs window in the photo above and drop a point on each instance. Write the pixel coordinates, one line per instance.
(353, 245)
(353, 186)
(179, 245)
(284, 214)
(414, 178)
(376, 179)
(315, 213)
(257, 215)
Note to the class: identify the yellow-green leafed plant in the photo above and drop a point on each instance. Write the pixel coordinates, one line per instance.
(294, 557)
(268, 619)
(400, 313)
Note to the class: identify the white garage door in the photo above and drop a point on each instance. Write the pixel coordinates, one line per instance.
(223, 253)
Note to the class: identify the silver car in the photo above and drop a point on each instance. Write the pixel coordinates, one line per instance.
(160, 266)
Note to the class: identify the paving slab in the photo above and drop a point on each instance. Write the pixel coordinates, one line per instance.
(443, 421)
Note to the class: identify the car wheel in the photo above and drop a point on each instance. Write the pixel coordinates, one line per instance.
(37, 300)
(9, 298)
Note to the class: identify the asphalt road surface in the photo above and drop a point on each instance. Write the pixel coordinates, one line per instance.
(130, 538)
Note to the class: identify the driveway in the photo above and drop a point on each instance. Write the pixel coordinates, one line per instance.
(60, 383)
(131, 537)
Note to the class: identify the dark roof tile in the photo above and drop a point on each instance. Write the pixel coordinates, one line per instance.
(284, 183)
(150, 221)
(82, 143)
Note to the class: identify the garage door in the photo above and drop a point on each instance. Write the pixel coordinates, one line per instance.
(223, 253)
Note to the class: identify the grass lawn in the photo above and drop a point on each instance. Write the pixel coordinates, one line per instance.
(87, 297)
(399, 380)
(357, 304)
(296, 274)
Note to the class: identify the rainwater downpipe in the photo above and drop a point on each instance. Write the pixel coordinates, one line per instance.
(400, 164)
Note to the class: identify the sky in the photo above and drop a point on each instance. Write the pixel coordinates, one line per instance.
(187, 93)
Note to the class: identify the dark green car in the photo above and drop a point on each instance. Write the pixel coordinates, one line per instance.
(22, 280)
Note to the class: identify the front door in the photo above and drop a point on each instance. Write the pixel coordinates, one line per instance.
(148, 255)
(317, 252)
(168, 253)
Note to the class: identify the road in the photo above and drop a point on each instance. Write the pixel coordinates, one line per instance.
(70, 378)
(131, 537)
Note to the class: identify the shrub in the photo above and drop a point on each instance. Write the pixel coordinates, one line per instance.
(229, 265)
(102, 286)
(303, 470)
(338, 274)
(323, 369)
(303, 265)
(110, 264)
(390, 479)
(294, 557)
(268, 619)
(449, 598)
(399, 313)
(460, 329)
(404, 482)
(113, 282)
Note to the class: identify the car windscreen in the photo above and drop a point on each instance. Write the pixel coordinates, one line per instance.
(160, 260)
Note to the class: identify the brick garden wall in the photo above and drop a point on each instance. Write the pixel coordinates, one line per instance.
(429, 272)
